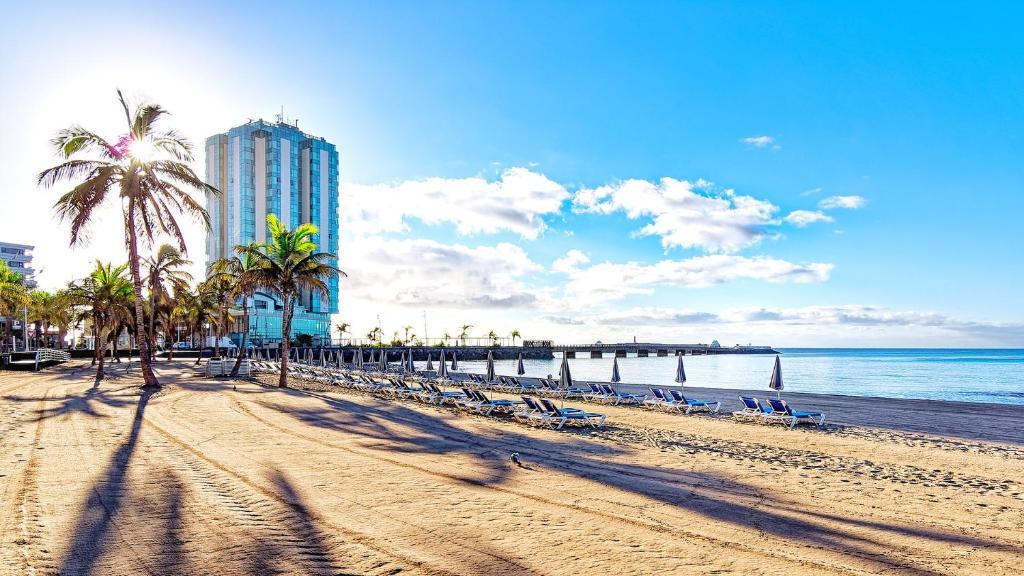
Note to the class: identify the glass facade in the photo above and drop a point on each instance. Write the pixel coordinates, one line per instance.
(274, 168)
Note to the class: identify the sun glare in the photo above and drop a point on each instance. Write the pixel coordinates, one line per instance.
(142, 150)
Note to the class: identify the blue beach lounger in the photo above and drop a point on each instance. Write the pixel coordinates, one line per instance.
(661, 400)
(623, 397)
(695, 404)
(564, 415)
(751, 408)
(782, 409)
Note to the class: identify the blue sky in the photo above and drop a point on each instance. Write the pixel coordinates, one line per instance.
(914, 109)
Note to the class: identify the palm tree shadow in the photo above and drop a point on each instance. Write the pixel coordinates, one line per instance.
(95, 519)
(304, 526)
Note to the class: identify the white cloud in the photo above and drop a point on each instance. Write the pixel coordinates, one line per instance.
(426, 273)
(812, 325)
(760, 142)
(847, 202)
(811, 192)
(570, 262)
(517, 202)
(684, 214)
(801, 218)
(610, 281)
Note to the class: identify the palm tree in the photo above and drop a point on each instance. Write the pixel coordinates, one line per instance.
(163, 273)
(446, 337)
(494, 337)
(164, 312)
(342, 328)
(288, 265)
(237, 271)
(41, 312)
(197, 308)
(372, 335)
(62, 315)
(149, 171)
(465, 333)
(407, 329)
(13, 296)
(221, 288)
(515, 334)
(106, 296)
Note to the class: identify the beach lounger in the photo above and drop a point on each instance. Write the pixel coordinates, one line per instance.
(488, 405)
(751, 408)
(597, 394)
(469, 400)
(564, 415)
(531, 413)
(661, 400)
(691, 404)
(782, 408)
(623, 397)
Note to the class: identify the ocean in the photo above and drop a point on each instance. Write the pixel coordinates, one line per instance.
(964, 375)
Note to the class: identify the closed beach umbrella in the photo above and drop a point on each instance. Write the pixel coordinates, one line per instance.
(490, 366)
(411, 365)
(564, 378)
(455, 362)
(339, 357)
(401, 363)
(383, 361)
(358, 360)
(519, 368)
(442, 368)
(323, 359)
(430, 364)
(680, 371)
(615, 371)
(776, 382)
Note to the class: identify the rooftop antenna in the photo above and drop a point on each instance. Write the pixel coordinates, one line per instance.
(280, 117)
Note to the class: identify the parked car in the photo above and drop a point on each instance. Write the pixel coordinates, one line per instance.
(183, 345)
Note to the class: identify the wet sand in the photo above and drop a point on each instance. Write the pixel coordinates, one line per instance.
(220, 477)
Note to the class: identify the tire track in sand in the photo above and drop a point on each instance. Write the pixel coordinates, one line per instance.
(267, 511)
(32, 554)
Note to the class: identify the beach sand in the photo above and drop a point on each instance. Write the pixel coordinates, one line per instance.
(221, 477)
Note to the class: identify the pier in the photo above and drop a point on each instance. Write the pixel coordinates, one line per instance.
(644, 350)
(545, 350)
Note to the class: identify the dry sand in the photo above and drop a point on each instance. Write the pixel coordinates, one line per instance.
(207, 478)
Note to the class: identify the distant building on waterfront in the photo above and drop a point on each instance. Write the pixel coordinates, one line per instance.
(19, 258)
(266, 168)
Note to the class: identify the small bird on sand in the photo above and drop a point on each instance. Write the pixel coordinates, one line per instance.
(515, 459)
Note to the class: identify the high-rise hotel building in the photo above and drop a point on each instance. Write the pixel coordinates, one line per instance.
(266, 168)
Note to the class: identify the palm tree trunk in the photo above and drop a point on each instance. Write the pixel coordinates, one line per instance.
(114, 353)
(217, 332)
(101, 358)
(95, 343)
(145, 358)
(286, 326)
(202, 344)
(152, 321)
(245, 336)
